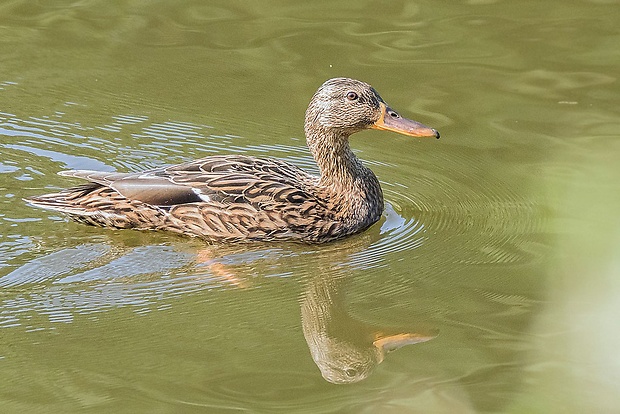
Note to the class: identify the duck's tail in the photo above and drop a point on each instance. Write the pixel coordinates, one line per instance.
(102, 206)
(66, 201)
(89, 204)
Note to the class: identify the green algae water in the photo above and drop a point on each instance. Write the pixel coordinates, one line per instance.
(491, 284)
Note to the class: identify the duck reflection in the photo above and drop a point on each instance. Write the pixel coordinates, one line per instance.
(346, 350)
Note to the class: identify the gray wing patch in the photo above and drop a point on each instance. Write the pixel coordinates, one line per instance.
(157, 191)
(149, 189)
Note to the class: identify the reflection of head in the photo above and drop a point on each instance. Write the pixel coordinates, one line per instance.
(344, 349)
(342, 362)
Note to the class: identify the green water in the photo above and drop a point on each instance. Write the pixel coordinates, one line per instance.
(500, 244)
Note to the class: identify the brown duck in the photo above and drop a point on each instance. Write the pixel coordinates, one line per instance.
(231, 198)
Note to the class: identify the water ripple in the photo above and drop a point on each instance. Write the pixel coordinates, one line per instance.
(53, 265)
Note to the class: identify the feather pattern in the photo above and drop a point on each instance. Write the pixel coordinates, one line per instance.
(232, 198)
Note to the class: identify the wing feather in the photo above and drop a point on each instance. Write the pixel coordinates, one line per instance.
(216, 198)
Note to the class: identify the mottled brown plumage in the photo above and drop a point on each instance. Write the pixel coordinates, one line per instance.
(229, 198)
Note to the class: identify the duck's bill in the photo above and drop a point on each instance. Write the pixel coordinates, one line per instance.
(387, 343)
(390, 120)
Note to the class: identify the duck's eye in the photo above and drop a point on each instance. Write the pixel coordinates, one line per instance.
(393, 114)
(352, 96)
(350, 372)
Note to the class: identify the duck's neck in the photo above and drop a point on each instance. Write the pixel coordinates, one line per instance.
(343, 175)
(338, 166)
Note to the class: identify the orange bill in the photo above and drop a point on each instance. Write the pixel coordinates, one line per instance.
(390, 120)
(387, 343)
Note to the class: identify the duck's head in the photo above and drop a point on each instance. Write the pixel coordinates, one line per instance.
(343, 106)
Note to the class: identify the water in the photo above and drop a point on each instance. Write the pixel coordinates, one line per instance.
(497, 253)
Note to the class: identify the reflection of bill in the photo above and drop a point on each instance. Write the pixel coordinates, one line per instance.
(346, 350)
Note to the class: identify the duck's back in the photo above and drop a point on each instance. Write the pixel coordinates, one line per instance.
(218, 198)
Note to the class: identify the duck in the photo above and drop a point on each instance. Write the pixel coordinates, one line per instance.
(239, 198)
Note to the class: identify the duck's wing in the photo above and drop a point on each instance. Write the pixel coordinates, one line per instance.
(219, 198)
(144, 187)
(211, 180)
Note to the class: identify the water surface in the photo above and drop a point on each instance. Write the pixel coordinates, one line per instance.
(490, 284)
